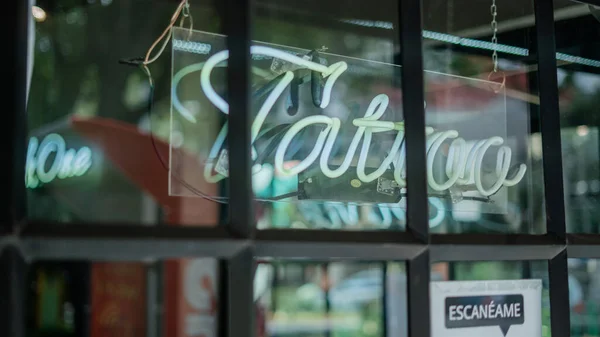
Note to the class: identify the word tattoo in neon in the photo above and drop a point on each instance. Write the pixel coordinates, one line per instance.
(463, 165)
(66, 163)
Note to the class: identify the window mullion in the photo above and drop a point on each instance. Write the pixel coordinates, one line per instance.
(13, 136)
(12, 292)
(552, 164)
(238, 27)
(550, 119)
(411, 57)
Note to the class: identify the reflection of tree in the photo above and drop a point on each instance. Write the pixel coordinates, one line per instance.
(76, 59)
(122, 38)
(580, 105)
(76, 71)
(467, 66)
(77, 51)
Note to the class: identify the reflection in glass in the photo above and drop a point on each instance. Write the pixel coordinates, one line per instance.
(175, 298)
(578, 88)
(334, 299)
(485, 89)
(91, 157)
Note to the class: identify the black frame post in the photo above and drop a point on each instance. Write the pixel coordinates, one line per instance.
(14, 97)
(418, 275)
(12, 195)
(240, 269)
(411, 56)
(552, 164)
(418, 280)
(240, 298)
(238, 27)
(12, 292)
(550, 120)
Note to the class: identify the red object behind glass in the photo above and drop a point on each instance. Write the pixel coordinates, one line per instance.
(142, 161)
(118, 300)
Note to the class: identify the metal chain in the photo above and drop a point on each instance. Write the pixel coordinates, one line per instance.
(494, 24)
(186, 9)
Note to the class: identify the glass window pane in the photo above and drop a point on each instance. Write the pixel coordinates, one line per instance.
(339, 299)
(483, 148)
(174, 298)
(578, 89)
(100, 130)
(329, 153)
(584, 297)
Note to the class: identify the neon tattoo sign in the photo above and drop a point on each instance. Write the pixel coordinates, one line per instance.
(67, 163)
(464, 159)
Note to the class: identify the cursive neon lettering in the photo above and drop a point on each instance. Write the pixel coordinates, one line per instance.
(66, 164)
(464, 161)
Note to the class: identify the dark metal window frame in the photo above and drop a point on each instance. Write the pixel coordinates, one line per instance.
(239, 244)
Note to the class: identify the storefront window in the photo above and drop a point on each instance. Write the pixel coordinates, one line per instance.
(328, 150)
(129, 123)
(578, 87)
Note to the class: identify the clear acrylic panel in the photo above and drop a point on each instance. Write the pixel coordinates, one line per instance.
(328, 138)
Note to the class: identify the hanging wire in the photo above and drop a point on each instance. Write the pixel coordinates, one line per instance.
(184, 10)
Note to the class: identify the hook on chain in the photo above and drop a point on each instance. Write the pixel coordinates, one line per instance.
(185, 14)
(499, 85)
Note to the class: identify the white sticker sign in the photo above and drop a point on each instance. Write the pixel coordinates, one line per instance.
(486, 308)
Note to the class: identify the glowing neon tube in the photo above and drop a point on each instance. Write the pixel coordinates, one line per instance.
(463, 167)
